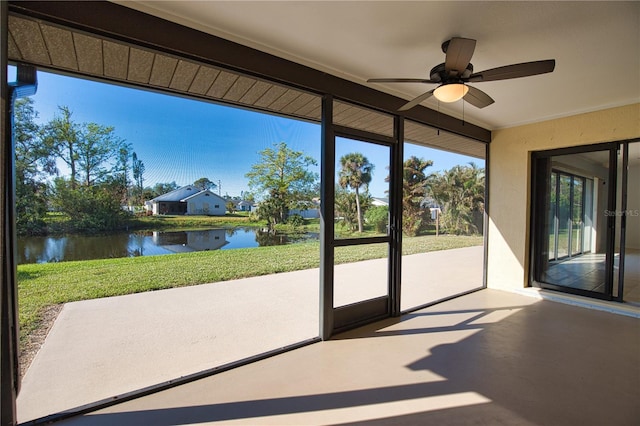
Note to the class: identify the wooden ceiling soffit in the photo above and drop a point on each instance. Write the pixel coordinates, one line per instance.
(420, 134)
(356, 117)
(62, 49)
(110, 21)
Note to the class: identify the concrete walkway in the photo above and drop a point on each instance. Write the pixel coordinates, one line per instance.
(101, 348)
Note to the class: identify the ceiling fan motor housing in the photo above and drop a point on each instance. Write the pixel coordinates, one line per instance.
(439, 74)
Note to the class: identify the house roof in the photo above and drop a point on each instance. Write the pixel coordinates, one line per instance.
(178, 194)
(205, 192)
(383, 201)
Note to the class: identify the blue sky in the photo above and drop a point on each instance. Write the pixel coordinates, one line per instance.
(181, 140)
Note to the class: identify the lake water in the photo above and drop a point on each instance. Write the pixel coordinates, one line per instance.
(86, 247)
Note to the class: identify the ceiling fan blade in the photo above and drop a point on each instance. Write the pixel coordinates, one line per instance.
(400, 80)
(525, 69)
(459, 53)
(477, 98)
(416, 101)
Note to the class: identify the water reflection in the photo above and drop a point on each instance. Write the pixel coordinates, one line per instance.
(86, 247)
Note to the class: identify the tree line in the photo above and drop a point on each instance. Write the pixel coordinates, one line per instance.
(98, 162)
(282, 179)
(104, 174)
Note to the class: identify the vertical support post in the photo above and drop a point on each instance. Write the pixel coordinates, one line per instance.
(611, 222)
(25, 85)
(538, 216)
(623, 219)
(8, 357)
(327, 198)
(395, 217)
(485, 216)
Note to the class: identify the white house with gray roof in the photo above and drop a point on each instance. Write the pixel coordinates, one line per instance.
(188, 200)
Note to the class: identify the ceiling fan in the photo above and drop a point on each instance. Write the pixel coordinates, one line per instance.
(457, 70)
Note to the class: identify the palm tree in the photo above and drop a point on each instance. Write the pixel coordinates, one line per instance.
(355, 172)
(460, 191)
(414, 184)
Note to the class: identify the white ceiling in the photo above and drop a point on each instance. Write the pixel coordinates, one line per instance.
(596, 46)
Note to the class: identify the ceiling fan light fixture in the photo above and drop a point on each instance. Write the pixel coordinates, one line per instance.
(450, 92)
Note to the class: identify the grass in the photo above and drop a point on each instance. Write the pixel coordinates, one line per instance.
(184, 222)
(59, 223)
(43, 285)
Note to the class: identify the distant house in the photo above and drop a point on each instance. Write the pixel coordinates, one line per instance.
(188, 200)
(312, 211)
(379, 202)
(245, 206)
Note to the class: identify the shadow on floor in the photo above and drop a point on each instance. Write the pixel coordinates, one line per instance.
(542, 364)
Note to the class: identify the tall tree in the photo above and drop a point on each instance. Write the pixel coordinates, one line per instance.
(355, 172)
(282, 178)
(122, 171)
(414, 182)
(98, 147)
(61, 137)
(32, 163)
(204, 183)
(89, 150)
(460, 191)
(98, 166)
(162, 188)
(346, 206)
(137, 168)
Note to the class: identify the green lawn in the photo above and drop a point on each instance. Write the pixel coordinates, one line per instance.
(194, 222)
(59, 224)
(42, 285)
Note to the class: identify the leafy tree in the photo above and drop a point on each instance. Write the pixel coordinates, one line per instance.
(98, 146)
(273, 209)
(460, 191)
(90, 208)
(122, 170)
(32, 162)
(61, 137)
(414, 182)
(137, 168)
(378, 217)
(147, 194)
(89, 150)
(295, 220)
(355, 172)
(283, 180)
(204, 183)
(346, 206)
(162, 188)
(231, 206)
(247, 196)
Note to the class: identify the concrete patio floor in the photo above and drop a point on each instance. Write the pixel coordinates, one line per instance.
(486, 358)
(101, 348)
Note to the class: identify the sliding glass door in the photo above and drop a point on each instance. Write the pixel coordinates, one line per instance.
(567, 215)
(582, 225)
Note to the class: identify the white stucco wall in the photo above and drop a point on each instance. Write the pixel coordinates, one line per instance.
(509, 185)
(206, 204)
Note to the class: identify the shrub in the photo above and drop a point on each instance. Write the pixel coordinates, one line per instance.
(295, 220)
(378, 217)
(90, 209)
